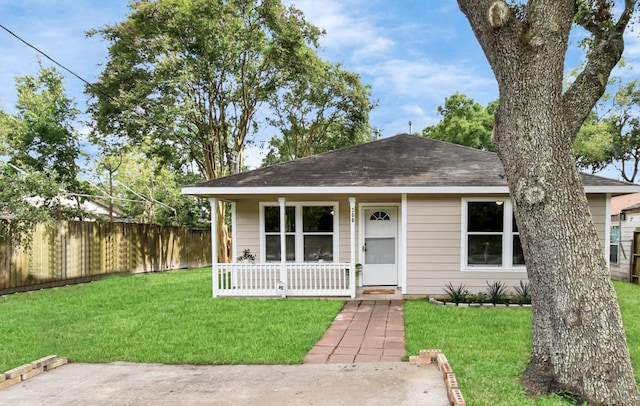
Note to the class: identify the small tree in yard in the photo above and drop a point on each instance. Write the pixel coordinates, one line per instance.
(579, 345)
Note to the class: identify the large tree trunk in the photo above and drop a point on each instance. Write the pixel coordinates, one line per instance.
(579, 346)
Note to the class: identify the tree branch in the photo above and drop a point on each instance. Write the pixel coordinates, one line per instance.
(603, 56)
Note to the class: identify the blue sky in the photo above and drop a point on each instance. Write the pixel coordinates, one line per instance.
(413, 53)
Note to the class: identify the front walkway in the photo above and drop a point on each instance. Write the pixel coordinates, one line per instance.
(364, 331)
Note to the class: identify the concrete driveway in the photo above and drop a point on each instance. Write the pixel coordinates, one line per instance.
(392, 383)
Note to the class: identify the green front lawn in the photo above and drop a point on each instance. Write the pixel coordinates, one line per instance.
(488, 348)
(166, 317)
(171, 318)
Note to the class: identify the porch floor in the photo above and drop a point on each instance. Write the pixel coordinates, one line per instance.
(364, 331)
(376, 293)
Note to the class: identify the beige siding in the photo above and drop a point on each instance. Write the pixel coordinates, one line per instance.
(248, 227)
(433, 234)
(434, 246)
(434, 249)
(598, 207)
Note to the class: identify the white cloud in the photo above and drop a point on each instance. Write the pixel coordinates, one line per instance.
(350, 29)
(632, 47)
(412, 63)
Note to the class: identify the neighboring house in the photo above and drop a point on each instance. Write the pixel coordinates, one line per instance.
(415, 213)
(625, 222)
(93, 207)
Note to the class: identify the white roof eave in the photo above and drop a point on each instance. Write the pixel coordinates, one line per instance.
(345, 190)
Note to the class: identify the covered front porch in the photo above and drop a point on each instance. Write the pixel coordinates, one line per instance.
(284, 278)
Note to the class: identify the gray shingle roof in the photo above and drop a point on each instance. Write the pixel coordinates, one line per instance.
(401, 160)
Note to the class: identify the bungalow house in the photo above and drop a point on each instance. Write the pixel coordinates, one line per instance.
(413, 213)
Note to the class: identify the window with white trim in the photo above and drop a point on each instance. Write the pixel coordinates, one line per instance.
(490, 235)
(614, 244)
(311, 231)
(272, 232)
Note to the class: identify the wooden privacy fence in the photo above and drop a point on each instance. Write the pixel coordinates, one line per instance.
(69, 251)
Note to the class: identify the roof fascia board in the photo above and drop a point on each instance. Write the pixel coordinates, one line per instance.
(305, 190)
(623, 189)
(212, 191)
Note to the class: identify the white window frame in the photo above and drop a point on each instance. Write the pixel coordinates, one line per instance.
(264, 233)
(299, 233)
(507, 237)
(613, 243)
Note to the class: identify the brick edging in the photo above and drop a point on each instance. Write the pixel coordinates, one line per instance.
(483, 304)
(427, 357)
(26, 371)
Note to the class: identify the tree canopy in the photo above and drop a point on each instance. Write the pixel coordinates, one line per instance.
(464, 122)
(328, 110)
(193, 80)
(193, 75)
(40, 136)
(42, 151)
(146, 190)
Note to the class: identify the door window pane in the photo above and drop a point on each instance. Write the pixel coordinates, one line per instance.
(380, 251)
(380, 215)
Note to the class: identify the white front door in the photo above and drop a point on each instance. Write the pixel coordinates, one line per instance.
(380, 265)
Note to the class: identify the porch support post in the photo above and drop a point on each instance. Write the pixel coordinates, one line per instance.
(234, 233)
(283, 247)
(352, 230)
(214, 246)
(404, 216)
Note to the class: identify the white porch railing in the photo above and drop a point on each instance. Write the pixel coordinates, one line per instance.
(274, 279)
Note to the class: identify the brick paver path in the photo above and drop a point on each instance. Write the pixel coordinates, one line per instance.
(364, 331)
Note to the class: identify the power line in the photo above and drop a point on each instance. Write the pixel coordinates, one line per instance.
(58, 63)
(92, 86)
